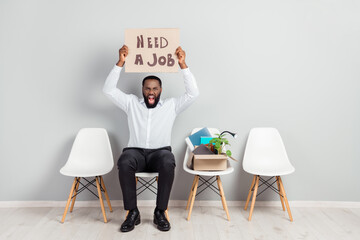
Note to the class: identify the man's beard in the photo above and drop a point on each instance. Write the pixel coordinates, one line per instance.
(148, 105)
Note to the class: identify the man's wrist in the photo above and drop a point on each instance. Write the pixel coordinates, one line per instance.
(183, 65)
(120, 63)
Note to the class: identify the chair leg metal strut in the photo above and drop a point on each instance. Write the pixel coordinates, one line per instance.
(146, 185)
(280, 190)
(206, 183)
(100, 185)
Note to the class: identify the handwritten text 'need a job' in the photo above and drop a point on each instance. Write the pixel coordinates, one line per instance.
(155, 42)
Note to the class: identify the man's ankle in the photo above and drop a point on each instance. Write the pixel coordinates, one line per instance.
(134, 209)
(158, 209)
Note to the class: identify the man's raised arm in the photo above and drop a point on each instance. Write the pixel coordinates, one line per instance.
(111, 91)
(191, 89)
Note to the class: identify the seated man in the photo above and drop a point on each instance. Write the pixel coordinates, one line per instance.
(150, 120)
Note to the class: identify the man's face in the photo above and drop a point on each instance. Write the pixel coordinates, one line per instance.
(151, 92)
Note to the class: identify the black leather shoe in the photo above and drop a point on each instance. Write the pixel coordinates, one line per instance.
(160, 220)
(132, 219)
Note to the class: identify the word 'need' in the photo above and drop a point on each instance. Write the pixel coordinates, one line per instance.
(157, 42)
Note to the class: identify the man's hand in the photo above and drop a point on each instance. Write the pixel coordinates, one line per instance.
(123, 52)
(181, 57)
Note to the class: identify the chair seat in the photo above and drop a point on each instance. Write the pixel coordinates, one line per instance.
(271, 170)
(84, 171)
(209, 173)
(146, 174)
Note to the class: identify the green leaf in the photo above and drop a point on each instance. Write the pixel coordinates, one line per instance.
(228, 152)
(217, 145)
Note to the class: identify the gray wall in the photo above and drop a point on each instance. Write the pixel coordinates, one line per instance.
(293, 65)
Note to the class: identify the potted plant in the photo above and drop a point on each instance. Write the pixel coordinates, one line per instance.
(220, 142)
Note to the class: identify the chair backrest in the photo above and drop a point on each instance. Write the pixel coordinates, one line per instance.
(91, 150)
(265, 150)
(212, 131)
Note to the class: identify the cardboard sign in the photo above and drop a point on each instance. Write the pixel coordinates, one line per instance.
(152, 50)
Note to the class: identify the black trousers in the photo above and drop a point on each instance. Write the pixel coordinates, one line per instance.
(134, 160)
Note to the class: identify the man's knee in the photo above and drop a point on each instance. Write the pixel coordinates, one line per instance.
(126, 161)
(167, 161)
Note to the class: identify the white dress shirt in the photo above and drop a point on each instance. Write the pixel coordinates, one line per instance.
(150, 127)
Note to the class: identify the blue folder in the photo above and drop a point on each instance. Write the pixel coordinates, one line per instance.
(196, 137)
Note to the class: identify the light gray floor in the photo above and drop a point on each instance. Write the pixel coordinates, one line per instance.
(206, 223)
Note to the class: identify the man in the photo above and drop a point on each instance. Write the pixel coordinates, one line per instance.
(150, 120)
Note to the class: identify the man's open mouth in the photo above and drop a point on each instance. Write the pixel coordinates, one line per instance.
(151, 99)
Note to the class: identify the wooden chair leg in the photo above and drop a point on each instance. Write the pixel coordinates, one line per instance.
(280, 193)
(69, 199)
(105, 193)
(190, 194)
(101, 199)
(193, 197)
(222, 201)
(285, 199)
(250, 192)
(75, 192)
(254, 197)
(222, 194)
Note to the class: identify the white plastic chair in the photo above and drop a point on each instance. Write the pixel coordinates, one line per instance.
(265, 155)
(207, 183)
(146, 181)
(90, 156)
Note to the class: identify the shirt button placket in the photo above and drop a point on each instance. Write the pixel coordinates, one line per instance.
(148, 129)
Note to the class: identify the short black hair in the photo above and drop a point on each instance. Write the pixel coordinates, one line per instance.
(152, 77)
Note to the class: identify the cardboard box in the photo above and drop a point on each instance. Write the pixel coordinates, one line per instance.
(210, 162)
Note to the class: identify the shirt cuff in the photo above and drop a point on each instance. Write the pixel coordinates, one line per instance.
(117, 68)
(186, 71)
